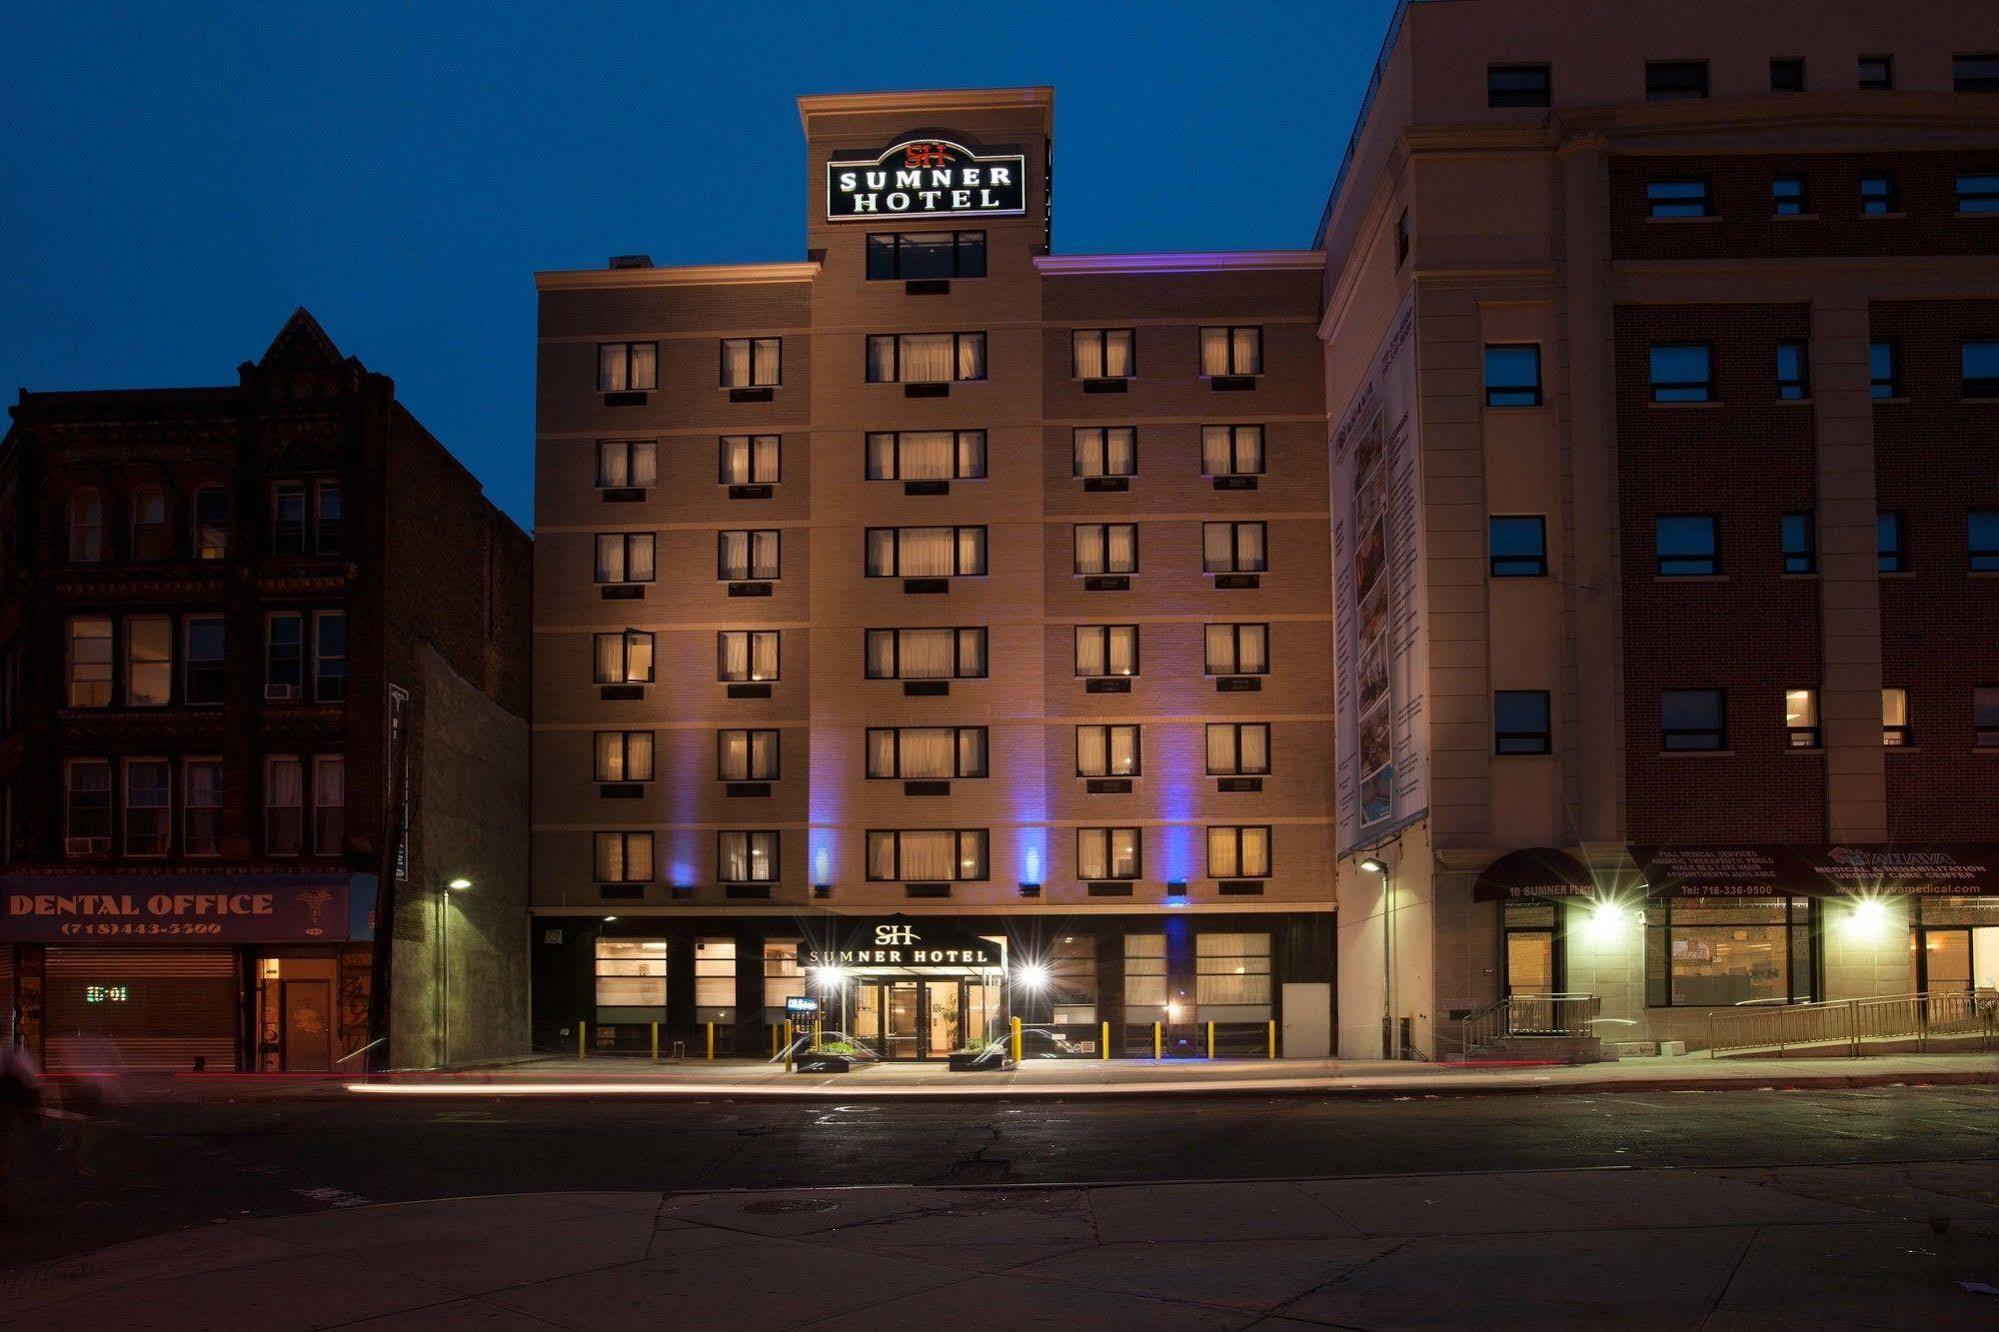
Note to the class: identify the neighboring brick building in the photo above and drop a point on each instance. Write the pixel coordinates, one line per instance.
(245, 632)
(1684, 324)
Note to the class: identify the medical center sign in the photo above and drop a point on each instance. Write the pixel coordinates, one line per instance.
(933, 178)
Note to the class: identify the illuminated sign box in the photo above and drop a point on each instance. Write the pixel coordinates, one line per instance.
(926, 178)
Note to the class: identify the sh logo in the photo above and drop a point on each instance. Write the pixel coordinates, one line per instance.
(894, 936)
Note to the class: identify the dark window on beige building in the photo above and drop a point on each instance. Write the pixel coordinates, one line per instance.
(1517, 85)
(1675, 80)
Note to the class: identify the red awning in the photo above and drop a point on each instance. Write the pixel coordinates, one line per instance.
(1539, 872)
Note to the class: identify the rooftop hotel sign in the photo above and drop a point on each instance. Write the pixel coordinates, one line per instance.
(926, 178)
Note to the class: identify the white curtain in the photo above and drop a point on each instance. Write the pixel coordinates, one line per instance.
(764, 368)
(1246, 350)
(639, 557)
(1218, 547)
(929, 752)
(763, 655)
(1107, 751)
(971, 751)
(610, 557)
(927, 358)
(971, 356)
(1253, 744)
(610, 658)
(1123, 655)
(881, 456)
(881, 751)
(610, 756)
(735, 362)
(1089, 352)
(1089, 548)
(1253, 648)
(972, 652)
(881, 552)
(1231, 450)
(1117, 353)
(972, 853)
(750, 554)
(929, 854)
(287, 782)
(611, 366)
(645, 365)
(1090, 650)
(926, 654)
(925, 552)
(879, 649)
(1215, 351)
(622, 463)
(881, 358)
(971, 453)
(927, 455)
(1120, 548)
(748, 756)
(971, 550)
(748, 459)
(1249, 546)
(881, 855)
(1102, 451)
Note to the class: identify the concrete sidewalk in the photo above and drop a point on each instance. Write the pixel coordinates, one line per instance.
(1910, 1245)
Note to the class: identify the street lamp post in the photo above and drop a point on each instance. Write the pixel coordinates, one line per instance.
(457, 885)
(1391, 1035)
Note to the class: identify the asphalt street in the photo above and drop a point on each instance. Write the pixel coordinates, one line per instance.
(154, 1165)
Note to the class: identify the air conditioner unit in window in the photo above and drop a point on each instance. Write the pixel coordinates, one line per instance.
(280, 693)
(86, 846)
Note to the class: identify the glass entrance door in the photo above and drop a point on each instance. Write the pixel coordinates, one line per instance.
(1946, 961)
(943, 1017)
(902, 1027)
(1530, 977)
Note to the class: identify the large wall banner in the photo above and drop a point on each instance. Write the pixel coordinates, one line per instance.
(1379, 654)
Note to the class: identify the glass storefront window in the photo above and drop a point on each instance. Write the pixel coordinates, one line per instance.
(631, 975)
(1232, 977)
(1144, 976)
(1957, 944)
(715, 980)
(784, 978)
(1721, 951)
(1072, 978)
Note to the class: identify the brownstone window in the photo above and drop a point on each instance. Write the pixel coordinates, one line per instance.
(148, 806)
(284, 655)
(86, 807)
(201, 803)
(1877, 73)
(1107, 751)
(627, 366)
(149, 661)
(211, 523)
(752, 362)
(85, 524)
(151, 538)
(1675, 80)
(288, 518)
(89, 661)
(329, 655)
(329, 804)
(284, 805)
(327, 518)
(1517, 85)
(1238, 749)
(204, 681)
(1801, 718)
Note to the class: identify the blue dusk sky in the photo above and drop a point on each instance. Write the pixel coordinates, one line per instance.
(174, 179)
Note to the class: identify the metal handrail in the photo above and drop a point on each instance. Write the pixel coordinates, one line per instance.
(1570, 1013)
(1853, 1022)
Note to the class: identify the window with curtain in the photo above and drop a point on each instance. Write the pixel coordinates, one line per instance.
(751, 362)
(1106, 548)
(284, 651)
(89, 661)
(746, 654)
(1894, 717)
(926, 455)
(1106, 649)
(1107, 751)
(1232, 450)
(926, 654)
(87, 807)
(284, 801)
(1233, 548)
(623, 857)
(329, 656)
(1104, 353)
(148, 806)
(1231, 351)
(206, 679)
(149, 661)
(1238, 749)
(624, 756)
(927, 854)
(746, 755)
(627, 463)
(1236, 649)
(201, 803)
(925, 358)
(1106, 451)
(1231, 969)
(1145, 972)
(150, 537)
(750, 460)
(1107, 853)
(631, 973)
(714, 973)
(329, 804)
(624, 366)
(85, 522)
(624, 658)
(625, 557)
(918, 753)
(747, 555)
(1239, 853)
(211, 523)
(926, 552)
(746, 857)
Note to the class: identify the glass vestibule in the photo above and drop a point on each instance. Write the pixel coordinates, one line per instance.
(1956, 941)
(922, 1017)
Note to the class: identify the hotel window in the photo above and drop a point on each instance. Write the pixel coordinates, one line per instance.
(1982, 540)
(1106, 650)
(89, 662)
(1106, 548)
(625, 366)
(1799, 534)
(1236, 649)
(624, 464)
(1877, 73)
(1884, 369)
(746, 857)
(1693, 719)
(746, 554)
(1789, 196)
(1975, 73)
(329, 511)
(919, 255)
(1715, 952)
(926, 753)
(1787, 74)
(1688, 545)
(926, 552)
(1105, 451)
(1801, 718)
(206, 679)
(1675, 80)
(1109, 853)
(284, 806)
(624, 658)
(1239, 853)
(1978, 363)
(211, 523)
(926, 654)
(1234, 548)
(149, 661)
(1103, 353)
(1513, 375)
(740, 756)
(87, 807)
(1517, 545)
(1682, 372)
(744, 460)
(85, 524)
(284, 655)
(631, 973)
(1678, 198)
(329, 656)
(1891, 548)
(624, 756)
(1232, 970)
(714, 973)
(746, 655)
(201, 803)
(1894, 718)
(1238, 749)
(1794, 371)
(784, 977)
(925, 358)
(1878, 196)
(1072, 978)
(623, 857)
(1520, 722)
(1985, 716)
(926, 455)
(927, 854)
(1516, 85)
(329, 804)
(288, 518)
(1232, 450)
(1144, 976)
(149, 525)
(1107, 751)
(148, 806)
(751, 362)
(625, 557)
(1231, 351)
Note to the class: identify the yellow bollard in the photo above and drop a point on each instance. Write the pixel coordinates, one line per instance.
(1156, 1041)
(711, 1042)
(582, 1051)
(1211, 1038)
(1104, 1043)
(655, 1042)
(787, 1045)
(773, 1042)
(1273, 1038)
(1014, 1025)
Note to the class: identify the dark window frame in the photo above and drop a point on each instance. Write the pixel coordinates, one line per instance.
(1509, 394)
(1102, 336)
(1794, 383)
(722, 675)
(1235, 628)
(1238, 829)
(1234, 371)
(958, 438)
(624, 756)
(1879, 188)
(1103, 531)
(1137, 768)
(1672, 738)
(957, 632)
(957, 549)
(959, 771)
(1237, 528)
(1977, 388)
(1974, 71)
(1802, 558)
(626, 542)
(1787, 74)
(1238, 770)
(961, 245)
(750, 771)
(1790, 195)
(1536, 564)
(1500, 92)
(1891, 541)
(1981, 558)
(752, 344)
(957, 357)
(1875, 73)
(1681, 390)
(1678, 197)
(1513, 741)
(1888, 387)
(957, 875)
(1103, 632)
(754, 575)
(629, 386)
(750, 837)
(1676, 80)
(750, 450)
(1108, 833)
(628, 639)
(1079, 438)
(1678, 564)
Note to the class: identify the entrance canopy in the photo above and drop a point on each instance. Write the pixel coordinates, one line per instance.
(1807, 870)
(899, 944)
(1542, 872)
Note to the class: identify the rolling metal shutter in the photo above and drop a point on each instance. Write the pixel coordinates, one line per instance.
(140, 1009)
(7, 1015)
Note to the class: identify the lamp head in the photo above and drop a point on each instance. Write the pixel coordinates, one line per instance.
(459, 884)
(1374, 866)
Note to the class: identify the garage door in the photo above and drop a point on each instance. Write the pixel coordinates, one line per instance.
(140, 1009)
